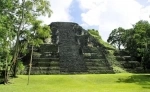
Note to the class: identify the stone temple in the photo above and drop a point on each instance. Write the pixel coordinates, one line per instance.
(70, 50)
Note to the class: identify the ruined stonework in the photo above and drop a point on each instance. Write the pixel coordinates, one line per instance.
(71, 50)
(71, 59)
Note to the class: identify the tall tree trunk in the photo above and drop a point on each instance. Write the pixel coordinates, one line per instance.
(16, 52)
(14, 70)
(30, 65)
(6, 72)
(14, 60)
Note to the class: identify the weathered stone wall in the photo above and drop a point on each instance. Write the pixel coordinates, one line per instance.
(71, 60)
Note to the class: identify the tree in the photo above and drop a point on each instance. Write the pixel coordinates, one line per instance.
(141, 37)
(4, 51)
(135, 40)
(116, 37)
(6, 36)
(16, 18)
(26, 11)
(35, 37)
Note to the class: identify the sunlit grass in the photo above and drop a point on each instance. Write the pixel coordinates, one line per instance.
(80, 83)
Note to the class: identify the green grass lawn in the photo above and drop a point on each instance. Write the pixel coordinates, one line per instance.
(80, 83)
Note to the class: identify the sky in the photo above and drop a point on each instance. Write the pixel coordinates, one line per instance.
(102, 15)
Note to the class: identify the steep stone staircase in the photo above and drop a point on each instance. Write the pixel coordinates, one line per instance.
(46, 60)
(95, 60)
(128, 63)
(45, 66)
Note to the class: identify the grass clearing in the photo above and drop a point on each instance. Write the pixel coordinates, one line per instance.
(123, 82)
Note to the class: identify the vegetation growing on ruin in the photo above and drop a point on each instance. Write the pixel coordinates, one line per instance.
(96, 35)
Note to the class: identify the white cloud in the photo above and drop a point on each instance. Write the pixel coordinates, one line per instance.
(110, 14)
(60, 10)
(145, 13)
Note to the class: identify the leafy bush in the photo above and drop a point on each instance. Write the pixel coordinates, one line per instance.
(20, 67)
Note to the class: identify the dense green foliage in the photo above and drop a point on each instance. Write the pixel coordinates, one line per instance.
(17, 27)
(135, 41)
(94, 33)
(116, 37)
(80, 83)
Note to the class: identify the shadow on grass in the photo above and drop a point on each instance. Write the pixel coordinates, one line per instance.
(1, 81)
(142, 80)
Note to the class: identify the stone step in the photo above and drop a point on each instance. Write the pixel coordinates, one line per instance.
(90, 50)
(100, 71)
(45, 48)
(73, 68)
(97, 68)
(132, 62)
(73, 72)
(95, 64)
(46, 64)
(35, 72)
(45, 59)
(119, 58)
(50, 62)
(94, 60)
(121, 52)
(36, 55)
(69, 71)
(49, 55)
(45, 68)
(124, 56)
(34, 49)
(93, 56)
